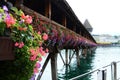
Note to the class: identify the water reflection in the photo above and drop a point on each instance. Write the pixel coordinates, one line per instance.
(73, 70)
(102, 57)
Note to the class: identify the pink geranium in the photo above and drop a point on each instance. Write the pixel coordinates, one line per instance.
(45, 36)
(35, 70)
(32, 51)
(40, 58)
(37, 65)
(46, 50)
(42, 52)
(21, 44)
(9, 20)
(27, 18)
(16, 44)
(33, 58)
(39, 32)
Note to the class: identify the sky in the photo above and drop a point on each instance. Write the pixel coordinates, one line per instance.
(103, 15)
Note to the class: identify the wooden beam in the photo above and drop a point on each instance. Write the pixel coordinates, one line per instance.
(62, 58)
(44, 66)
(71, 57)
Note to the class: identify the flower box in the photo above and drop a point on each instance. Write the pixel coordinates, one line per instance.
(6, 49)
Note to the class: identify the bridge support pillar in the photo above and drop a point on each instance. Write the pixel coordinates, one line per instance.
(84, 53)
(77, 56)
(54, 64)
(66, 56)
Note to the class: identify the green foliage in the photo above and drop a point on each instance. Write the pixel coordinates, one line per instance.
(25, 39)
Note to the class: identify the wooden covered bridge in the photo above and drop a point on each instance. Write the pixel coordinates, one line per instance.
(63, 27)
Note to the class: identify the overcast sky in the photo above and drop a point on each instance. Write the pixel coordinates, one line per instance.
(103, 15)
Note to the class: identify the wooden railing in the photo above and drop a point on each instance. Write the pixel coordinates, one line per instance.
(53, 23)
(102, 72)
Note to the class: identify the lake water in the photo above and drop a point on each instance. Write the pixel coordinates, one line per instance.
(101, 57)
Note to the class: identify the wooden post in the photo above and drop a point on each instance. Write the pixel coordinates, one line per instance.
(66, 56)
(74, 28)
(64, 21)
(18, 3)
(90, 51)
(101, 75)
(77, 56)
(54, 65)
(84, 53)
(48, 8)
(70, 54)
(113, 71)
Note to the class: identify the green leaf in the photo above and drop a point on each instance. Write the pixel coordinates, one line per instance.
(15, 10)
(1, 10)
(2, 28)
(20, 12)
(30, 28)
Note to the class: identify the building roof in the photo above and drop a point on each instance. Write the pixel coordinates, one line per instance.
(88, 25)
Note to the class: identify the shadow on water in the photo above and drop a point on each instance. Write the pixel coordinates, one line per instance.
(68, 72)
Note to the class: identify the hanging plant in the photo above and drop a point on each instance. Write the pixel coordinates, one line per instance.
(27, 43)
